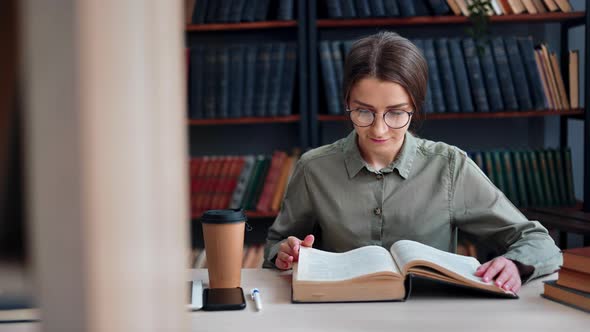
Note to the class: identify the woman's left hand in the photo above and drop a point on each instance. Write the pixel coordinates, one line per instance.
(503, 270)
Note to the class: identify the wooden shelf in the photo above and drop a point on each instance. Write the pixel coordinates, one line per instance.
(491, 115)
(434, 20)
(241, 26)
(250, 120)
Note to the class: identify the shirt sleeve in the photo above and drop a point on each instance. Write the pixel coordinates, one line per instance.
(295, 217)
(480, 208)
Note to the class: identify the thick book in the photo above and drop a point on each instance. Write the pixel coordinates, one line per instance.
(334, 9)
(276, 67)
(478, 88)
(504, 74)
(568, 296)
(196, 83)
(348, 10)
(446, 73)
(236, 82)
(338, 62)
(577, 259)
(460, 73)
(362, 8)
(242, 184)
(490, 78)
(285, 11)
(439, 7)
(288, 80)
(391, 8)
(249, 81)
(521, 85)
(329, 78)
(263, 74)
(377, 8)
(372, 273)
(520, 178)
(574, 279)
(406, 8)
(438, 102)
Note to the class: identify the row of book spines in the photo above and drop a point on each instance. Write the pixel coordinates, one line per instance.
(409, 8)
(506, 75)
(530, 177)
(241, 80)
(254, 183)
(234, 11)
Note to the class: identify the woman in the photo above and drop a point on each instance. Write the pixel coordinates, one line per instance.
(382, 184)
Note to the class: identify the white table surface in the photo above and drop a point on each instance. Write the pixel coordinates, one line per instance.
(433, 308)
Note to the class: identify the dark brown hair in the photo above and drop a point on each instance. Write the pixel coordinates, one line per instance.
(388, 56)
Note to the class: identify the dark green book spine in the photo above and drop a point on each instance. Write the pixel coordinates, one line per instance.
(560, 174)
(571, 197)
(530, 179)
(500, 178)
(259, 184)
(544, 173)
(538, 187)
(552, 174)
(252, 182)
(510, 182)
(520, 179)
(489, 166)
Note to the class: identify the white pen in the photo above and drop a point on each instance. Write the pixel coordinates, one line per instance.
(255, 294)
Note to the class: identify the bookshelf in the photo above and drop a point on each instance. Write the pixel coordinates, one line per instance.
(309, 122)
(321, 29)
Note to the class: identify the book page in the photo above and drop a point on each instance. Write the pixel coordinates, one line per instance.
(319, 265)
(405, 252)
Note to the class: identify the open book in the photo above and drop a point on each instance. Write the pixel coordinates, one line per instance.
(372, 273)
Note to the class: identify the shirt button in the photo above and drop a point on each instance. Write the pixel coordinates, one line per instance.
(377, 211)
(379, 176)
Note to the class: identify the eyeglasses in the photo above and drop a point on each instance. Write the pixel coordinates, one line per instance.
(394, 119)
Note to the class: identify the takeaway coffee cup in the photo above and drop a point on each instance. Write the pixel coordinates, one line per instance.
(223, 232)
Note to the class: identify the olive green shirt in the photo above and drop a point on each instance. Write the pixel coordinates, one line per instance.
(426, 194)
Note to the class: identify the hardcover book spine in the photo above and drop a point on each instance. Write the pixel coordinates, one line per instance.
(475, 76)
(210, 83)
(544, 174)
(262, 80)
(438, 103)
(223, 81)
(447, 77)
(491, 79)
(427, 107)
(288, 81)
(200, 12)
(520, 179)
(276, 68)
(391, 8)
(406, 8)
(241, 186)
(362, 8)
(334, 9)
(460, 73)
(235, 13)
(348, 10)
(439, 7)
(329, 76)
(504, 75)
(532, 73)
(236, 83)
(517, 68)
(338, 68)
(285, 12)
(250, 80)
(377, 8)
(510, 178)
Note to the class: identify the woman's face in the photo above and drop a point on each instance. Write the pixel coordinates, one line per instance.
(378, 97)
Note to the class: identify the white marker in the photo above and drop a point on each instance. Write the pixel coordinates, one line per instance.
(255, 294)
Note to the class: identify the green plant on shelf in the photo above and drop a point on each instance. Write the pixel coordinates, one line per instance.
(478, 15)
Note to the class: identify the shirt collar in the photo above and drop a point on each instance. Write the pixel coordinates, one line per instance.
(403, 163)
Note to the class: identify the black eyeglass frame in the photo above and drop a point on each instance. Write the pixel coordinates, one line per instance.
(410, 114)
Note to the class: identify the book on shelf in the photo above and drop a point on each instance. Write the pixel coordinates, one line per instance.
(565, 295)
(235, 11)
(241, 80)
(373, 273)
(509, 74)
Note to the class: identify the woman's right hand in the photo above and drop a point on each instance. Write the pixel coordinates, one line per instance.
(289, 251)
